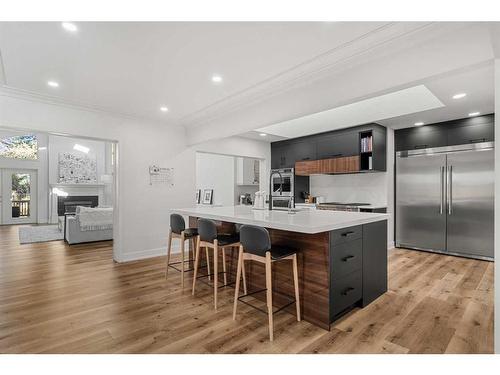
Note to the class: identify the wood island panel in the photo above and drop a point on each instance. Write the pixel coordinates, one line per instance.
(313, 263)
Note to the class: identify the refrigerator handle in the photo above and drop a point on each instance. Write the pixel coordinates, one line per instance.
(450, 190)
(441, 188)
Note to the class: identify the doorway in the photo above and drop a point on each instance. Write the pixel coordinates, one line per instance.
(19, 196)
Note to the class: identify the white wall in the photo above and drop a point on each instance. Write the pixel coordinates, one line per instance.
(142, 210)
(216, 172)
(40, 165)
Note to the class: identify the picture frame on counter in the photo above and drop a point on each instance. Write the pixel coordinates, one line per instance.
(198, 196)
(207, 196)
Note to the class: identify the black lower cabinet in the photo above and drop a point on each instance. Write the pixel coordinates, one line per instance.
(374, 261)
(358, 266)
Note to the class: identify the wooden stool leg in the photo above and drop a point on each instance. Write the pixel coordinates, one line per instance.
(296, 285)
(169, 248)
(269, 293)
(224, 265)
(183, 242)
(244, 276)
(238, 275)
(208, 262)
(196, 261)
(216, 272)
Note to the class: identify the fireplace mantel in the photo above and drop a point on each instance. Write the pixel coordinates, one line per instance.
(77, 185)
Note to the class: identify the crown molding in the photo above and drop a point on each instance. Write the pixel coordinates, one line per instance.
(33, 96)
(326, 64)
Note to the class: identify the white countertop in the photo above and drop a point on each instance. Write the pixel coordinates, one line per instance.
(374, 206)
(306, 221)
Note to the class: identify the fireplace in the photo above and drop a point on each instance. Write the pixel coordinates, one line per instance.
(68, 204)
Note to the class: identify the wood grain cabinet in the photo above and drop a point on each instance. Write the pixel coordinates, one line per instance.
(349, 164)
(307, 168)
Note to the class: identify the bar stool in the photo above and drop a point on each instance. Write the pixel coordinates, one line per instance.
(178, 230)
(256, 245)
(209, 238)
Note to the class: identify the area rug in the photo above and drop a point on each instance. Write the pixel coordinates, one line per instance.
(39, 233)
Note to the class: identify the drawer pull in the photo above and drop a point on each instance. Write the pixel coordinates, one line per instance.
(345, 234)
(479, 140)
(347, 291)
(417, 147)
(348, 258)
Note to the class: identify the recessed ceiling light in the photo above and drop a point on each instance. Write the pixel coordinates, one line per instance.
(420, 123)
(263, 134)
(216, 78)
(164, 109)
(69, 26)
(472, 114)
(459, 96)
(81, 148)
(53, 84)
(42, 148)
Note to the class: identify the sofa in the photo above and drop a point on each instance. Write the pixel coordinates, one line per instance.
(89, 225)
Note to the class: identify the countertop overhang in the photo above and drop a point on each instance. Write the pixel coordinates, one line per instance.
(306, 221)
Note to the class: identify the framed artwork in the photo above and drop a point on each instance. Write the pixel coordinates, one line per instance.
(77, 169)
(198, 196)
(207, 196)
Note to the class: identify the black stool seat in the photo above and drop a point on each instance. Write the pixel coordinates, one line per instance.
(190, 232)
(279, 252)
(227, 239)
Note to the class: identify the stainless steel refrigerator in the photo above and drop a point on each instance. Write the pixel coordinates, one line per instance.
(445, 200)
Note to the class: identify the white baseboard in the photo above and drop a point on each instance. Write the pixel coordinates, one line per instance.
(391, 245)
(151, 253)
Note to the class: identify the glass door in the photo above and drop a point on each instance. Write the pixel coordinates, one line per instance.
(19, 196)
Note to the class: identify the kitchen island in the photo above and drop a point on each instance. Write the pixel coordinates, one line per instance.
(342, 256)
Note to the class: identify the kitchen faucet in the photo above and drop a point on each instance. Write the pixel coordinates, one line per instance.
(272, 187)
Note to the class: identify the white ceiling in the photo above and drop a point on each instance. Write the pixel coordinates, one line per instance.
(397, 103)
(134, 68)
(476, 82)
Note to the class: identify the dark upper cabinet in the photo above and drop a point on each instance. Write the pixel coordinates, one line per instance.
(277, 153)
(471, 134)
(336, 145)
(303, 150)
(421, 137)
(449, 133)
(379, 150)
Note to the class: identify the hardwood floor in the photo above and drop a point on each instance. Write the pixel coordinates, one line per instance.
(60, 299)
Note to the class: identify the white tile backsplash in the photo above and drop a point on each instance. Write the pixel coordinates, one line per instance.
(362, 187)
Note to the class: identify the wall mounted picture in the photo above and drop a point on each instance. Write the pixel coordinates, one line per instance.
(77, 169)
(207, 196)
(198, 196)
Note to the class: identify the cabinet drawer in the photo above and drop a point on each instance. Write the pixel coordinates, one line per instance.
(346, 234)
(345, 291)
(345, 258)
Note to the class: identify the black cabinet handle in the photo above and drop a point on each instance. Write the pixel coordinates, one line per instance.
(478, 140)
(346, 234)
(337, 155)
(306, 159)
(348, 258)
(420, 146)
(347, 291)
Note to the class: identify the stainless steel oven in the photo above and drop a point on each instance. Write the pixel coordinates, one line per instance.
(282, 179)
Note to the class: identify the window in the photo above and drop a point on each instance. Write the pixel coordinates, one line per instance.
(19, 147)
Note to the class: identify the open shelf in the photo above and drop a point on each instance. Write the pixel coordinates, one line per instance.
(366, 151)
